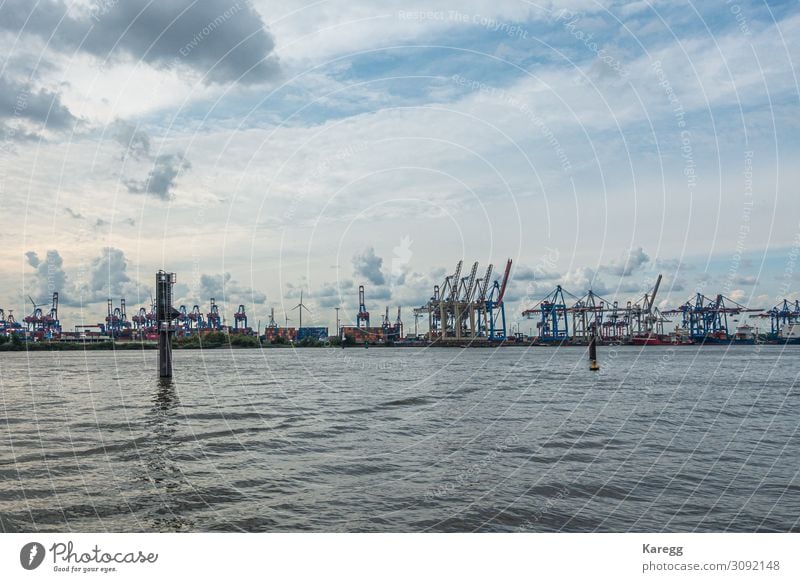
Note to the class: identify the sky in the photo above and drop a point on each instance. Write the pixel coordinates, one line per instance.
(264, 149)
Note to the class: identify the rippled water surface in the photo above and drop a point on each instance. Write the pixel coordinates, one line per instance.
(664, 439)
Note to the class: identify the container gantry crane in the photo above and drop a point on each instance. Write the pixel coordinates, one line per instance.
(8, 324)
(496, 309)
(50, 324)
(553, 325)
(480, 314)
(432, 313)
(782, 316)
(116, 319)
(706, 319)
(645, 321)
(392, 331)
(213, 318)
(240, 319)
(34, 320)
(467, 308)
(182, 322)
(638, 320)
(440, 307)
(39, 324)
(140, 319)
(614, 326)
(363, 315)
(587, 316)
(196, 320)
(398, 325)
(447, 305)
(464, 313)
(151, 318)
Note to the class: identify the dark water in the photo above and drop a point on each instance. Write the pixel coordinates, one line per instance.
(683, 439)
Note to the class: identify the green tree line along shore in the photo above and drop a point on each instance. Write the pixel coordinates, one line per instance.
(204, 341)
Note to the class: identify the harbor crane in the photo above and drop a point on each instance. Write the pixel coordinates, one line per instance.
(782, 316)
(213, 318)
(496, 308)
(272, 323)
(467, 308)
(705, 319)
(553, 325)
(363, 315)
(638, 320)
(240, 319)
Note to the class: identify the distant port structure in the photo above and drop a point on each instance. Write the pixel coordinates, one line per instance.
(467, 308)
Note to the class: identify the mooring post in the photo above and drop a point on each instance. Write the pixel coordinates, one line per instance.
(593, 365)
(165, 313)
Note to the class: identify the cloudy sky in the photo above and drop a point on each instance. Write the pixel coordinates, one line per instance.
(260, 149)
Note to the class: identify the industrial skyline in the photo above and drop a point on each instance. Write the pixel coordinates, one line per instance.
(463, 309)
(596, 146)
(526, 286)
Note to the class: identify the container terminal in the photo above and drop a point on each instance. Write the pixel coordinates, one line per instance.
(464, 310)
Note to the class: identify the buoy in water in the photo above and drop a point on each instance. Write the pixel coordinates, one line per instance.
(593, 365)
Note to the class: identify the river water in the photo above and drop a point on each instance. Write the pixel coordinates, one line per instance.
(384, 439)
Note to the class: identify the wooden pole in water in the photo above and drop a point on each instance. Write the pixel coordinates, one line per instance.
(593, 365)
(165, 313)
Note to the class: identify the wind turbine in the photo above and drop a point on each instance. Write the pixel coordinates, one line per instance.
(301, 307)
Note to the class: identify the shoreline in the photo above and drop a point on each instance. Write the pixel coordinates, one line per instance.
(150, 345)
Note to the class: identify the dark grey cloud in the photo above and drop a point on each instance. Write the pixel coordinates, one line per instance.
(745, 279)
(33, 259)
(528, 273)
(161, 179)
(108, 276)
(523, 273)
(343, 293)
(581, 280)
(25, 110)
(224, 287)
(676, 284)
(223, 40)
(135, 140)
(165, 168)
(214, 285)
(73, 214)
(49, 276)
(293, 291)
(376, 293)
(628, 264)
(439, 273)
(331, 295)
(102, 222)
(368, 265)
(673, 265)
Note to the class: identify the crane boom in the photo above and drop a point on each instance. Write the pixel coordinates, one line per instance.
(485, 282)
(655, 292)
(505, 282)
(454, 280)
(468, 289)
